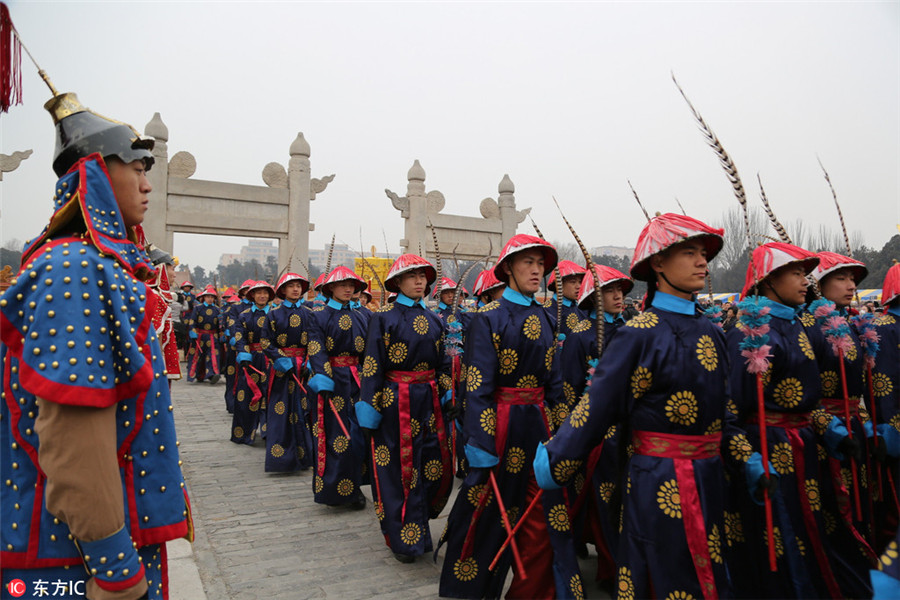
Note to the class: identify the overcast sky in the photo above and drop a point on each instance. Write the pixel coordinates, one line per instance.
(568, 99)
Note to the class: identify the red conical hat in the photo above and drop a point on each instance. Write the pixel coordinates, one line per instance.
(342, 273)
(605, 275)
(829, 262)
(209, 290)
(262, 285)
(304, 283)
(405, 263)
(319, 281)
(488, 282)
(664, 231)
(891, 288)
(448, 285)
(567, 268)
(520, 243)
(246, 285)
(187, 284)
(772, 256)
(229, 291)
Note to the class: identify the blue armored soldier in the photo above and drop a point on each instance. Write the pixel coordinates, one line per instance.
(92, 484)
(228, 319)
(204, 357)
(252, 380)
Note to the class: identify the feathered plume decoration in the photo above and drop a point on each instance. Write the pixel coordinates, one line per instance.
(437, 262)
(755, 347)
(558, 336)
(838, 207)
(636, 197)
(330, 252)
(776, 224)
(598, 294)
(386, 247)
(684, 212)
(727, 164)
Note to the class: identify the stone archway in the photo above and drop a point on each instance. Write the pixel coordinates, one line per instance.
(280, 209)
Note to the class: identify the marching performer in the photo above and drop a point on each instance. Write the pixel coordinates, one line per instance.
(334, 361)
(405, 377)
(203, 331)
(663, 383)
(252, 381)
(512, 377)
(289, 443)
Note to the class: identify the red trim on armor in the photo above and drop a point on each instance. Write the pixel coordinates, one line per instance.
(115, 586)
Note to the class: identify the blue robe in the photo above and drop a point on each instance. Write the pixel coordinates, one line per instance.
(405, 374)
(289, 443)
(228, 319)
(204, 360)
(339, 461)
(252, 381)
(848, 547)
(795, 426)
(662, 379)
(512, 379)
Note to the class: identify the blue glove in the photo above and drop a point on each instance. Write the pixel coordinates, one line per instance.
(446, 397)
(757, 480)
(193, 334)
(233, 342)
(243, 357)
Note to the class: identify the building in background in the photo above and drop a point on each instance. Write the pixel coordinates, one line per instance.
(260, 250)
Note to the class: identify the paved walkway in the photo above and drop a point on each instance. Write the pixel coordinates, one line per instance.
(261, 535)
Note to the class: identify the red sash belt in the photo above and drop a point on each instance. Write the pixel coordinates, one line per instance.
(835, 406)
(404, 379)
(505, 398)
(294, 352)
(255, 347)
(654, 443)
(784, 420)
(212, 351)
(347, 361)
(683, 450)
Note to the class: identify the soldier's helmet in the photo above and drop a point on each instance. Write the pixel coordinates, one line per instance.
(666, 230)
(81, 132)
(768, 258)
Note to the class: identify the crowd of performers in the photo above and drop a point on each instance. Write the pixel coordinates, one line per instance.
(761, 463)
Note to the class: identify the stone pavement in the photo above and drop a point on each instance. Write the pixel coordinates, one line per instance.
(260, 535)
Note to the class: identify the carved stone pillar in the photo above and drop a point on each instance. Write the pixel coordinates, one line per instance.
(155, 218)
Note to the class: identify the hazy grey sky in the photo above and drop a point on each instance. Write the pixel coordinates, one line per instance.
(568, 99)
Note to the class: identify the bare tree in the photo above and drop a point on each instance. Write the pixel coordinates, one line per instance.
(569, 251)
(799, 233)
(735, 249)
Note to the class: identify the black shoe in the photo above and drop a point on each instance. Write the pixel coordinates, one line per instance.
(359, 504)
(404, 558)
(214, 379)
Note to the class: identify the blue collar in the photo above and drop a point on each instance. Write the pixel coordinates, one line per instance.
(782, 311)
(337, 305)
(245, 301)
(407, 301)
(894, 311)
(518, 297)
(674, 304)
(567, 302)
(320, 297)
(442, 306)
(265, 310)
(608, 318)
(355, 304)
(289, 304)
(207, 304)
